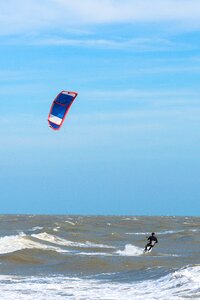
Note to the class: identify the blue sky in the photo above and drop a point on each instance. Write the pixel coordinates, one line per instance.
(131, 141)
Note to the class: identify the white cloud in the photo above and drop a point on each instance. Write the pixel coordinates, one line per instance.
(146, 94)
(96, 11)
(120, 43)
(137, 44)
(21, 16)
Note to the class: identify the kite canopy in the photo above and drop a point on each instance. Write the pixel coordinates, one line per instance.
(59, 108)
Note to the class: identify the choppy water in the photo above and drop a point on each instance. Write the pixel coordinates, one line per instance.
(84, 257)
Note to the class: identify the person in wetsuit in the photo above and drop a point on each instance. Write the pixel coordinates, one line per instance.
(152, 241)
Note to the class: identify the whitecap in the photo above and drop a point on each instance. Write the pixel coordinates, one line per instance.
(63, 242)
(70, 222)
(36, 228)
(12, 243)
(181, 284)
(165, 232)
(130, 250)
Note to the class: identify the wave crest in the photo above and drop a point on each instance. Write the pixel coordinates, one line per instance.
(130, 250)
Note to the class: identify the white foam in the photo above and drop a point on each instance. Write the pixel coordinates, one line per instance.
(170, 232)
(157, 233)
(178, 285)
(70, 222)
(130, 250)
(44, 236)
(12, 243)
(127, 219)
(56, 229)
(36, 228)
(95, 254)
(137, 233)
(94, 245)
(62, 242)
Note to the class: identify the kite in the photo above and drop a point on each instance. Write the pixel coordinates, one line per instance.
(59, 109)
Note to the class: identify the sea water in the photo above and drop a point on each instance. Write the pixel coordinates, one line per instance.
(98, 257)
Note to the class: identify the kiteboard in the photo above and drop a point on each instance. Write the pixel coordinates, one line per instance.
(149, 248)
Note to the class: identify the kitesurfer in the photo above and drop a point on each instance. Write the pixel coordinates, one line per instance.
(152, 241)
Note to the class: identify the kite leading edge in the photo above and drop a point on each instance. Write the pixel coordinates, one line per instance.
(59, 108)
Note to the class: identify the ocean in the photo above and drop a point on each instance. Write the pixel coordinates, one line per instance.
(98, 257)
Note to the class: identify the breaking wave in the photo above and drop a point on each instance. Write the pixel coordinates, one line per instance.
(42, 241)
(130, 250)
(181, 284)
(9, 244)
(63, 242)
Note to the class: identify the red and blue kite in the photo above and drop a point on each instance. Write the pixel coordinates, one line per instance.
(59, 109)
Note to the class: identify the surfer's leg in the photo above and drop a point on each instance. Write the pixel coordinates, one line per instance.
(147, 245)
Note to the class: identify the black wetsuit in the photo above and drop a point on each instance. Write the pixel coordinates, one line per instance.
(152, 241)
